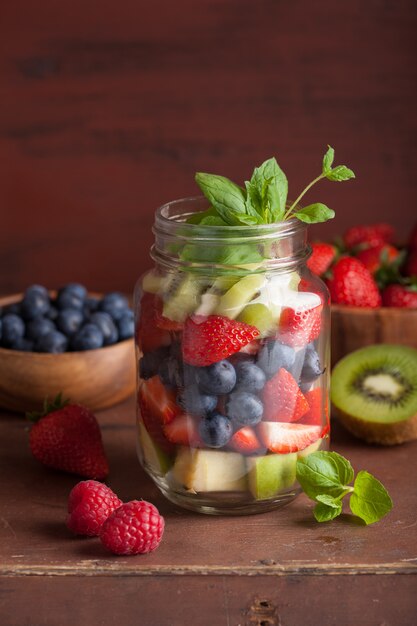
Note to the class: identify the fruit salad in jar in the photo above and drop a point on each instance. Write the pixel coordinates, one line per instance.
(232, 336)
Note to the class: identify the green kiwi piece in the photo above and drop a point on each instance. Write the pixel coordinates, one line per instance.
(239, 295)
(374, 393)
(183, 298)
(258, 315)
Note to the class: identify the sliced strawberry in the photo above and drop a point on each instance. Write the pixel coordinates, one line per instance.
(251, 348)
(207, 340)
(299, 326)
(157, 407)
(283, 399)
(315, 401)
(281, 437)
(183, 431)
(245, 441)
(148, 336)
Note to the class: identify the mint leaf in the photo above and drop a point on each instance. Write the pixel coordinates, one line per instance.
(244, 218)
(327, 508)
(226, 197)
(324, 473)
(272, 187)
(328, 160)
(340, 173)
(370, 500)
(314, 213)
(196, 218)
(253, 201)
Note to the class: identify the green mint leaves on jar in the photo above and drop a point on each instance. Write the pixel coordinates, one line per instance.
(263, 200)
(325, 477)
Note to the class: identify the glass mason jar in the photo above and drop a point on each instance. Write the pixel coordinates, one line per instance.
(232, 339)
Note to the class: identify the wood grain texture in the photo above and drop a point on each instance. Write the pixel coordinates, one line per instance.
(355, 327)
(107, 113)
(214, 570)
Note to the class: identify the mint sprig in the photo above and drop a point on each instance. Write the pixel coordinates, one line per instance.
(263, 200)
(325, 477)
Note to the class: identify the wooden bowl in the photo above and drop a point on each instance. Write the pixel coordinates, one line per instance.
(94, 378)
(356, 327)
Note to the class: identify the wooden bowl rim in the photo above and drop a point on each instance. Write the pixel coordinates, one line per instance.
(44, 356)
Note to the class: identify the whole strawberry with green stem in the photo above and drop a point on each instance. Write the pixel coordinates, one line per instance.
(352, 284)
(67, 437)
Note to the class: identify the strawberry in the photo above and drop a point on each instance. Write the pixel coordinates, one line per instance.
(314, 415)
(207, 340)
(368, 236)
(245, 441)
(148, 335)
(183, 431)
(283, 399)
(400, 296)
(322, 256)
(412, 243)
(281, 437)
(157, 408)
(353, 284)
(378, 256)
(67, 437)
(299, 326)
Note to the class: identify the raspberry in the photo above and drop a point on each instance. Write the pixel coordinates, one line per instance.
(135, 528)
(89, 505)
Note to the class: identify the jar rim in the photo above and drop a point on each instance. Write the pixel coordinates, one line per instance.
(168, 223)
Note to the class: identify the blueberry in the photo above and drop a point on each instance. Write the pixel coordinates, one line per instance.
(312, 368)
(15, 308)
(149, 363)
(106, 325)
(249, 376)
(244, 408)
(13, 329)
(115, 304)
(126, 325)
(274, 355)
(24, 345)
(196, 403)
(89, 337)
(38, 327)
(170, 373)
(52, 314)
(216, 379)
(215, 430)
(53, 342)
(1, 329)
(76, 289)
(69, 321)
(91, 305)
(35, 302)
(69, 300)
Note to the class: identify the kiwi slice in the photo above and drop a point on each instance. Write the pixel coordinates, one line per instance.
(258, 315)
(183, 298)
(239, 295)
(374, 393)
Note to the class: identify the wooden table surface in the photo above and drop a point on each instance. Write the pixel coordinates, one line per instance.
(278, 568)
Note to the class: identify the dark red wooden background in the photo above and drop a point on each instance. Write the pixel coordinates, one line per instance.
(108, 109)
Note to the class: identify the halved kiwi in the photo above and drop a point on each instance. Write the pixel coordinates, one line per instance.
(374, 393)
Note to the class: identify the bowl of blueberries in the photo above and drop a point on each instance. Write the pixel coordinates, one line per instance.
(67, 341)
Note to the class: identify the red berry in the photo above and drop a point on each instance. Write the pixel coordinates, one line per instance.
(134, 528)
(412, 244)
(374, 258)
(323, 255)
(400, 296)
(368, 236)
(157, 407)
(317, 407)
(283, 399)
(183, 431)
(148, 335)
(69, 439)
(89, 505)
(245, 441)
(282, 438)
(299, 326)
(353, 284)
(411, 265)
(207, 340)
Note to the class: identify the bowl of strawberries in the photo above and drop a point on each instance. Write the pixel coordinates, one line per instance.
(373, 287)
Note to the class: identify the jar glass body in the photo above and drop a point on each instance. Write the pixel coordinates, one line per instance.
(232, 341)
